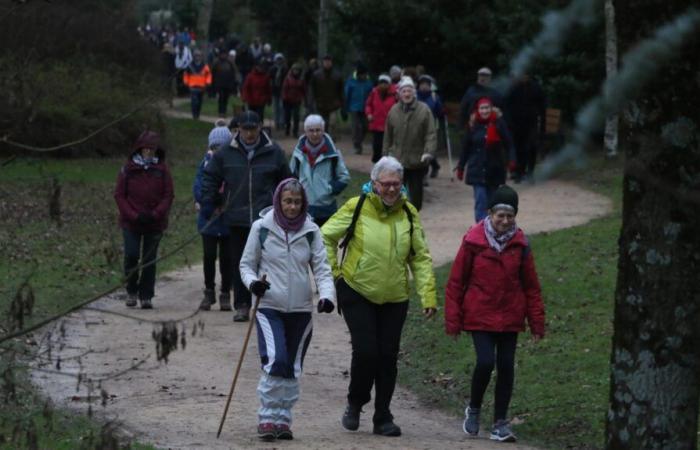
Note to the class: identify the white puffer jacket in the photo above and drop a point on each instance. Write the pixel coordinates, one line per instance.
(286, 264)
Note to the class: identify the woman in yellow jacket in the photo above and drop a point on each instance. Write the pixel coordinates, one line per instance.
(381, 238)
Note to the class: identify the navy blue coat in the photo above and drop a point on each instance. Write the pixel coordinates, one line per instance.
(486, 166)
(217, 227)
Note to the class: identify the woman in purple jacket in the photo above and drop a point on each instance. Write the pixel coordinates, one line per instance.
(144, 194)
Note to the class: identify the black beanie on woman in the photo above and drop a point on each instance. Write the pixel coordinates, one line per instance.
(504, 195)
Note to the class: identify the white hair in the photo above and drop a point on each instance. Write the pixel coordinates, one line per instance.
(386, 164)
(312, 120)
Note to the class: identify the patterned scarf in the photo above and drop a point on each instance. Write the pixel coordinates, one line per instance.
(141, 161)
(496, 241)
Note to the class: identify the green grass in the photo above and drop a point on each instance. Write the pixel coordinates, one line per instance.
(68, 264)
(561, 392)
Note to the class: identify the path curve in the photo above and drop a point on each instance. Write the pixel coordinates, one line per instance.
(179, 405)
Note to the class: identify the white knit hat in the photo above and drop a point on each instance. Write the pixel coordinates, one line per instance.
(384, 77)
(406, 82)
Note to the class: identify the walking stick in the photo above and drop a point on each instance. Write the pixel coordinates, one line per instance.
(449, 148)
(240, 361)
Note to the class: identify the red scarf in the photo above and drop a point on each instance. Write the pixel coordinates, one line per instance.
(492, 135)
(310, 155)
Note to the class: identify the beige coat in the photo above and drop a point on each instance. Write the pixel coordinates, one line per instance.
(409, 134)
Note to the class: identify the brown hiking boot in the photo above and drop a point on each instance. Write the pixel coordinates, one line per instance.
(208, 300)
(225, 301)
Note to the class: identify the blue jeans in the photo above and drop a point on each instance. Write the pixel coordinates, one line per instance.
(196, 101)
(143, 246)
(482, 193)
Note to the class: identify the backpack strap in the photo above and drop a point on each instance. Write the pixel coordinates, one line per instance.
(410, 221)
(350, 231)
(310, 237)
(334, 167)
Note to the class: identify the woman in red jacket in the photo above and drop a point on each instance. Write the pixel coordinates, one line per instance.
(144, 194)
(492, 289)
(257, 88)
(377, 107)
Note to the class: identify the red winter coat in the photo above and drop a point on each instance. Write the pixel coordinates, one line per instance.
(491, 291)
(144, 190)
(293, 89)
(257, 89)
(378, 109)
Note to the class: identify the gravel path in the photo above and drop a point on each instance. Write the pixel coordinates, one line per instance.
(179, 405)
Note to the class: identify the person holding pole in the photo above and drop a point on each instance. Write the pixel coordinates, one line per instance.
(283, 244)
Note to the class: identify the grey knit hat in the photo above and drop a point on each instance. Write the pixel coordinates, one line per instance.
(219, 137)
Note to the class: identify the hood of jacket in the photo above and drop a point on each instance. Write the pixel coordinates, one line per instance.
(148, 139)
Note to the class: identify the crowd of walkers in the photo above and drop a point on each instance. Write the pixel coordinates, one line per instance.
(269, 219)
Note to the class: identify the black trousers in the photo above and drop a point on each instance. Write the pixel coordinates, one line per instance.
(217, 246)
(375, 332)
(143, 247)
(224, 94)
(413, 179)
(241, 294)
(525, 141)
(494, 349)
(291, 114)
(377, 144)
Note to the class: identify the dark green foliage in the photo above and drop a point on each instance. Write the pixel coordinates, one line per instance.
(453, 39)
(290, 26)
(69, 69)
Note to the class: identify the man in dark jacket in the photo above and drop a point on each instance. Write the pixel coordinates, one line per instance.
(327, 90)
(251, 167)
(526, 111)
(144, 195)
(481, 89)
(224, 75)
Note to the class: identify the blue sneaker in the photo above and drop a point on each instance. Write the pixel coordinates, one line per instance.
(471, 421)
(501, 432)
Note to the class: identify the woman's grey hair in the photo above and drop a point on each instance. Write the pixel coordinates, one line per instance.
(386, 164)
(313, 120)
(293, 186)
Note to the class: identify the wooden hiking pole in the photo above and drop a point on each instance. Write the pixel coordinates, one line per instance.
(240, 360)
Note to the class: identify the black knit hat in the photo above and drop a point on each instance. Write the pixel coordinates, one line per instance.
(504, 195)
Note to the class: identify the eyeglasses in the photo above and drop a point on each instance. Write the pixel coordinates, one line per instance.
(389, 184)
(315, 130)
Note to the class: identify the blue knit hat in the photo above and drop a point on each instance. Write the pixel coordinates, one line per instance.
(219, 137)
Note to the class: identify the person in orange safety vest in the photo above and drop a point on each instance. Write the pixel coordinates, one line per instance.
(197, 77)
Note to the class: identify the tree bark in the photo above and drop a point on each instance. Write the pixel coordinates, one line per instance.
(655, 361)
(611, 124)
(204, 19)
(322, 29)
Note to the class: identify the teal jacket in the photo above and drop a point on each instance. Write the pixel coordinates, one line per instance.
(322, 182)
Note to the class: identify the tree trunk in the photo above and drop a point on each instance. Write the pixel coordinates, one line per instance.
(204, 19)
(655, 361)
(322, 29)
(611, 124)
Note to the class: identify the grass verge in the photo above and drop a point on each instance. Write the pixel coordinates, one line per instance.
(561, 390)
(67, 263)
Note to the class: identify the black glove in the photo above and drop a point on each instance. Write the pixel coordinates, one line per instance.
(259, 287)
(325, 306)
(145, 218)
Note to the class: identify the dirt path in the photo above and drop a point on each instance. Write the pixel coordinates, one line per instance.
(179, 405)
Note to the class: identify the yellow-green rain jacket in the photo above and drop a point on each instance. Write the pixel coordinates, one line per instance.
(377, 259)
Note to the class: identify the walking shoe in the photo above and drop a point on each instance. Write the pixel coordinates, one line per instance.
(146, 303)
(351, 417)
(242, 314)
(266, 431)
(282, 431)
(131, 300)
(501, 432)
(387, 429)
(471, 421)
(208, 300)
(225, 301)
